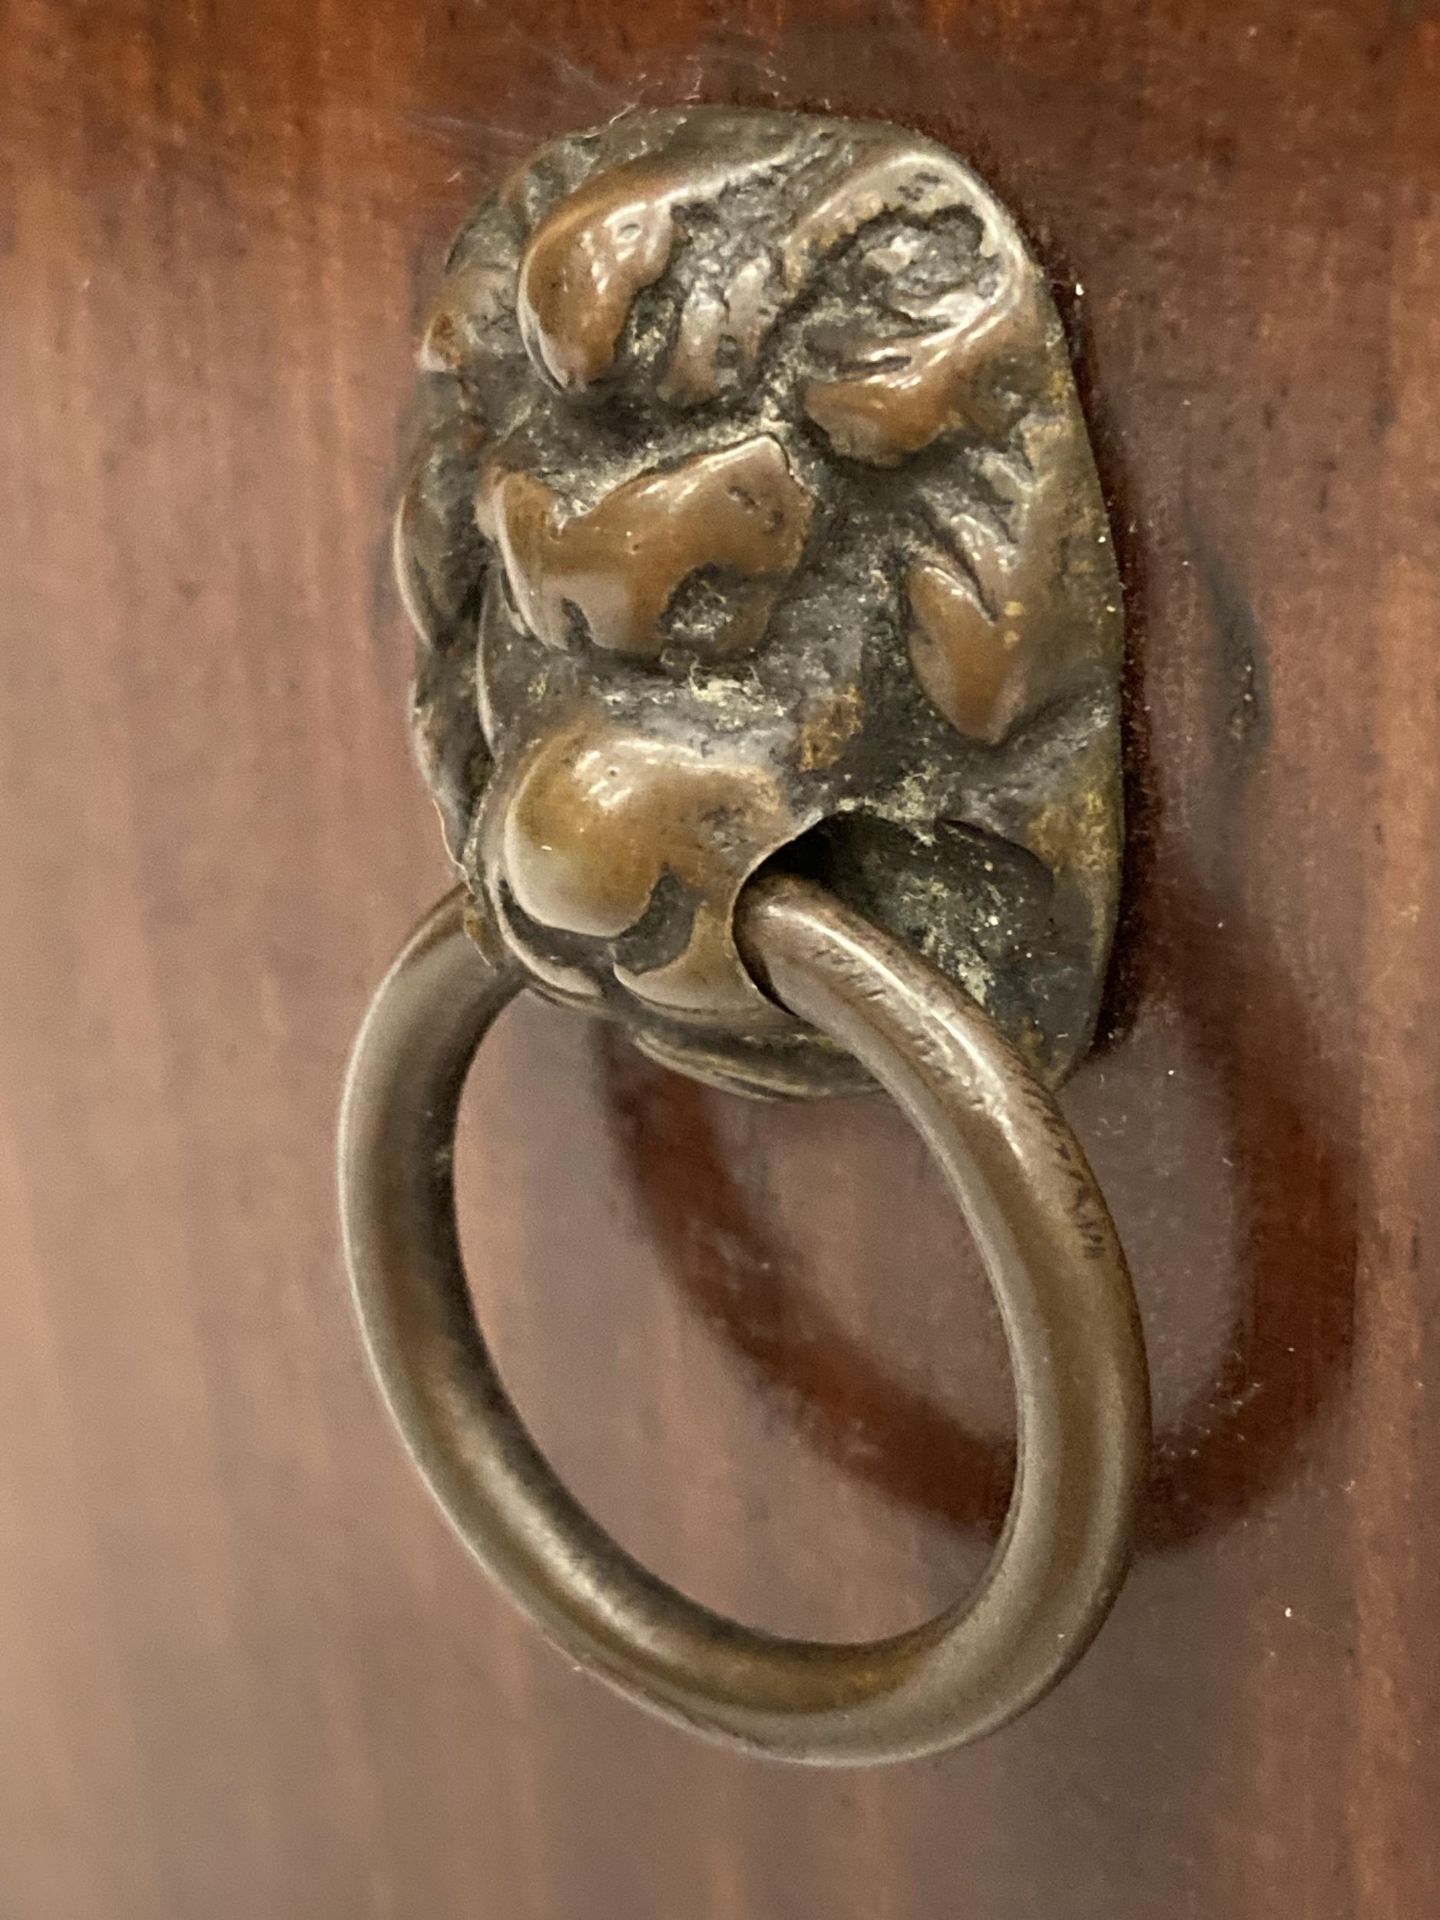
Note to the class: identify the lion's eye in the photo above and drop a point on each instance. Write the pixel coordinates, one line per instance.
(890, 257)
(717, 613)
(921, 274)
(692, 554)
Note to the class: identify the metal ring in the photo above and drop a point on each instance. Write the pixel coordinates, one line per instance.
(1053, 1260)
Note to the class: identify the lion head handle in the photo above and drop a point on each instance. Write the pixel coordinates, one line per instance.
(754, 519)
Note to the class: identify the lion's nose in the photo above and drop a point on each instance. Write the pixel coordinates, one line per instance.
(594, 817)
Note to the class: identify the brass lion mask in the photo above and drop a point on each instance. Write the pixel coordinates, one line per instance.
(754, 521)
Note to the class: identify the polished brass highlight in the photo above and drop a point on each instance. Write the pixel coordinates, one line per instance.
(753, 524)
(1053, 1260)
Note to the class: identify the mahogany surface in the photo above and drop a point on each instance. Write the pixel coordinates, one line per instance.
(244, 1669)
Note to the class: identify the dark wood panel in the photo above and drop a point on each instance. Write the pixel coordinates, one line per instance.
(243, 1668)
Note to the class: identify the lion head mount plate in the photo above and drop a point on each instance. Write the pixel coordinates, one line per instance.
(753, 520)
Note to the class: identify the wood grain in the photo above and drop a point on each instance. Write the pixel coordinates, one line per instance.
(244, 1670)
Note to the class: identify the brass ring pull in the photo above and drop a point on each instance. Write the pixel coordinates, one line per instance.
(1049, 1248)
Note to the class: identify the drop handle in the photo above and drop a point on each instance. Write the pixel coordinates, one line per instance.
(1052, 1257)
(768, 688)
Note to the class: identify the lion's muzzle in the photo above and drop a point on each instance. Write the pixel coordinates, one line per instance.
(607, 850)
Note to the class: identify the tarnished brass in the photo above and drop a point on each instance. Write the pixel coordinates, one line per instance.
(754, 524)
(1049, 1248)
(768, 687)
